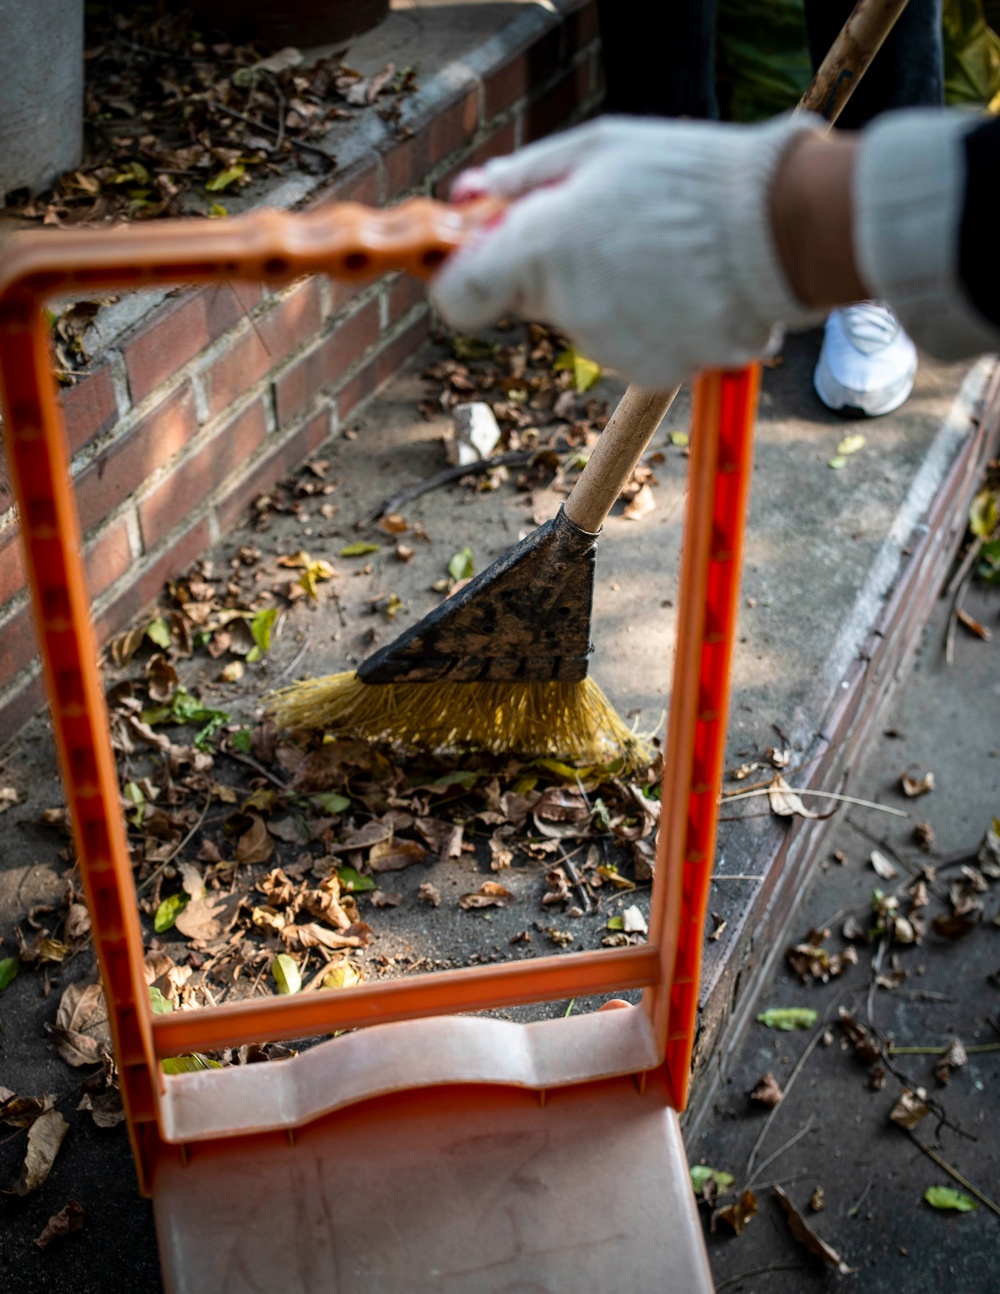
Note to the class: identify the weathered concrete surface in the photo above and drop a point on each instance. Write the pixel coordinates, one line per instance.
(947, 720)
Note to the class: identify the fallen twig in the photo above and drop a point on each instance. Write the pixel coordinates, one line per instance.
(728, 796)
(852, 1212)
(953, 1172)
(759, 1271)
(271, 130)
(167, 861)
(939, 1051)
(514, 458)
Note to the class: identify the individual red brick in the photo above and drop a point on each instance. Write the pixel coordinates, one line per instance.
(89, 407)
(556, 104)
(182, 327)
(140, 595)
(326, 362)
(408, 162)
(404, 293)
(361, 186)
(196, 476)
(148, 446)
(581, 27)
(287, 455)
(272, 339)
(18, 644)
(522, 74)
(498, 144)
(108, 558)
(382, 366)
(11, 564)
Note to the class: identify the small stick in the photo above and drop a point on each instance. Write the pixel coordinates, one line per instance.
(577, 883)
(810, 1127)
(271, 130)
(514, 458)
(252, 763)
(953, 1172)
(852, 1212)
(939, 1051)
(727, 796)
(167, 861)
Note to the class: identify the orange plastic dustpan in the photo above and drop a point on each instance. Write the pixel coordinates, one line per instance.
(428, 1150)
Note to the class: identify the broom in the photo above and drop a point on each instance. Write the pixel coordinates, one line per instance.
(501, 666)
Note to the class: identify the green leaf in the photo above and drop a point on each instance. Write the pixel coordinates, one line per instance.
(353, 881)
(585, 372)
(360, 549)
(286, 974)
(851, 444)
(158, 632)
(241, 740)
(984, 514)
(701, 1175)
(616, 923)
(838, 462)
(788, 1017)
(225, 178)
(168, 912)
(216, 210)
(463, 565)
(946, 1197)
(9, 966)
(134, 792)
(332, 801)
(188, 1064)
(680, 438)
(261, 626)
(161, 1005)
(472, 348)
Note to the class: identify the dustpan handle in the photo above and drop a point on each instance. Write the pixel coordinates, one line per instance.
(639, 412)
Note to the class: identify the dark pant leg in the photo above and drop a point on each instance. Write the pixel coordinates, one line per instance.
(659, 60)
(907, 72)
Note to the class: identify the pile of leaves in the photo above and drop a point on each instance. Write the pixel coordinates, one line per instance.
(176, 119)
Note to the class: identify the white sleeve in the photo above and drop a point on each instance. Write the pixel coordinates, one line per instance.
(908, 199)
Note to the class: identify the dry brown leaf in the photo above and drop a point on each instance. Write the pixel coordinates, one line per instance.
(914, 786)
(256, 845)
(909, 1109)
(489, 895)
(865, 1045)
(68, 1219)
(923, 834)
(805, 1235)
(739, 1214)
(300, 938)
(501, 855)
(385, 899)
(394, 855)
(768, 1092)
(430, 894)
(640, 505)
(882, 867)
(81, 1032)
(105, 1107)
(22, 1111)
(633, 921)
(817, 1201)
(558, 885)
(8, 798)
(372, 833)
(443, 838)
(954, 1058)
(77, 925)
(206, 919)
(45, 1136)
(786, 803)
(559, 804)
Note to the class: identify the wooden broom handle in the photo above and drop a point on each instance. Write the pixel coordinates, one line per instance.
(634, 422)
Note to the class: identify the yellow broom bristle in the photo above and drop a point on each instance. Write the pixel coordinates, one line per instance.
(574, 722)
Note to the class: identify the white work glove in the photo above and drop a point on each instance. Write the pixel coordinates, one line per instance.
(648, 242)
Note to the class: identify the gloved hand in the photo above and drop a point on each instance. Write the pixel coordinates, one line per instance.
(648, 242)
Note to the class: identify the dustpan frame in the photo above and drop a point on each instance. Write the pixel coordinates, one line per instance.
(347, 242)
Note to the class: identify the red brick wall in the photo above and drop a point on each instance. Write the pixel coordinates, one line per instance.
(215, 396)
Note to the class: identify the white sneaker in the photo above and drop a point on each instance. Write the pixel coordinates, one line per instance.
(867, 363)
